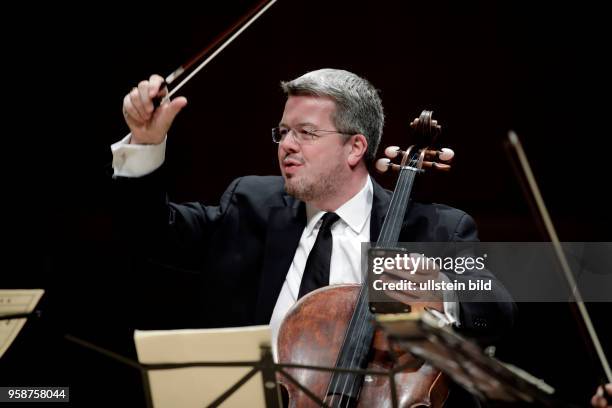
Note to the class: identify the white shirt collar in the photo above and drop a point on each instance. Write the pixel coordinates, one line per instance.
(355, 212)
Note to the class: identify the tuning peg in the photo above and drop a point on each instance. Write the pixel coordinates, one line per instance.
(392, 151)
(385, 164)
(382, 165)
(446, 154)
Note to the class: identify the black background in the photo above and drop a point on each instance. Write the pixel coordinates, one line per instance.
(484, 68)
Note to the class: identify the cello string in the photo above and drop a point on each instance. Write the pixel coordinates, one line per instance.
(404, 186)
(394, 208)
(337, 378)
(407, 177)
(344, 341)
(390, 233)
(389, 230)
(334, 377)
(405, 183)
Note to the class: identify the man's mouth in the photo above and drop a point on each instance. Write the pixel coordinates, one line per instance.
(290, 165)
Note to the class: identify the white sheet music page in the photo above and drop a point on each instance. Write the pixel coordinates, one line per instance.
(13, 301)
(199, 386)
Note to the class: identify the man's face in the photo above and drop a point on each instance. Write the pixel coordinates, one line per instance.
(311, 171)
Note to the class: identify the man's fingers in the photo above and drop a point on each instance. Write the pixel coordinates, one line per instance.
(149, 125)
(599, 402)
(598, 399)
(156, 83)
(166, 113)
(137, 104)
(131, 115)
(147, 105)
(408, 299)
(402, 297)
(416, 292)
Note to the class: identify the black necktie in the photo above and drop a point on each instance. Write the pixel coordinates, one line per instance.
(316, 272)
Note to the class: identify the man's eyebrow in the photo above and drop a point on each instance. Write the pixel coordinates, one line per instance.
(299, 124)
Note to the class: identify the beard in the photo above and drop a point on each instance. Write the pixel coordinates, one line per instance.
(310, 187)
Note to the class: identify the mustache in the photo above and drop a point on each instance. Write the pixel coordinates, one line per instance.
(295, 158)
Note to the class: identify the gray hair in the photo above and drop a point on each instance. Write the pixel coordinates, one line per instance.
(358, 105)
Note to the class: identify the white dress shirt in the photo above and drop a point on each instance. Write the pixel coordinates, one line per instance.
(136, 160)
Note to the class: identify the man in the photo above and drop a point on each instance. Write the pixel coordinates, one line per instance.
(254, 247)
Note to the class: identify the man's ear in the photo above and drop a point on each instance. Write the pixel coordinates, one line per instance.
(359, 146)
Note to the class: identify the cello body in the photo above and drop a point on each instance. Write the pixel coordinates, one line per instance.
(312, 333)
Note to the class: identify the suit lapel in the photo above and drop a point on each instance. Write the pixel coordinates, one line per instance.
(285, 227)
(380, 204)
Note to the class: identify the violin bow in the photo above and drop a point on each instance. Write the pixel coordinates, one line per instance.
(216, 46)
(536, 198)
(224, 39)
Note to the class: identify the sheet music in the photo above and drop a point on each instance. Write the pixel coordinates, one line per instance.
(14, 301)
(199, 386)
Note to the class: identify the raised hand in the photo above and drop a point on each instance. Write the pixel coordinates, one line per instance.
(149, 125)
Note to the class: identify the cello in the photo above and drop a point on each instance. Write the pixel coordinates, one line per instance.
(333, 326)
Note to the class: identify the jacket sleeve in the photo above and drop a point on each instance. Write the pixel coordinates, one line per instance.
(486, 314)
(147, 222)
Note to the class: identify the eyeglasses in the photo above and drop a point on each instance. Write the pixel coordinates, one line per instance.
(300, 135)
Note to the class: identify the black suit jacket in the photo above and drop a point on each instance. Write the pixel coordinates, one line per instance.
(245, 245)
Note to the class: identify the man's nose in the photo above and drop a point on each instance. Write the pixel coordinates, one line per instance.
(289, 142)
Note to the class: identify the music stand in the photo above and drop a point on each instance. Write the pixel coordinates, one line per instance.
(265, 365)
(429, 337)
(17, 305)
(35, 314)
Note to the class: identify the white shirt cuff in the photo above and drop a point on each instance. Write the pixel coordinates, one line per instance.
(136, 160)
